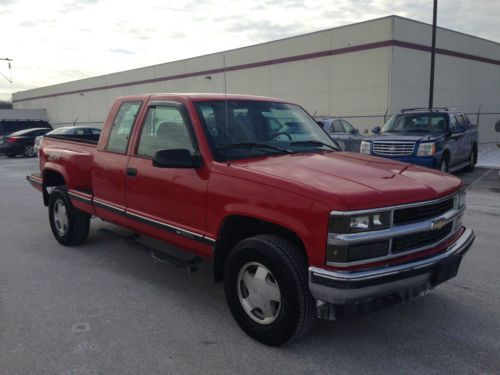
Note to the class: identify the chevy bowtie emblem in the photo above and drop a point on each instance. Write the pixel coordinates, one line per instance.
(438, 224)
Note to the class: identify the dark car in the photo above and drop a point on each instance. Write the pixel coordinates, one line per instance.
(11, 126)
(342, 132)
(442, 139)
(78, 131)
(21, 142)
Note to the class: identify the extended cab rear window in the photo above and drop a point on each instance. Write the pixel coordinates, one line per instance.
(122, 127)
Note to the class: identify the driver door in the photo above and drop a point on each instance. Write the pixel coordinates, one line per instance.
(167, 203)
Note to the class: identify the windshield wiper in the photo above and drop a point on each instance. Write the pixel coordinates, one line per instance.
(315, 143)
(251, 145)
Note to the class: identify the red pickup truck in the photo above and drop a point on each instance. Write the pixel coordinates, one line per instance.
(294, 226)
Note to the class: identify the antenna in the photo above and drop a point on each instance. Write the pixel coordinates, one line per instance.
(10, 66)
(226, 109)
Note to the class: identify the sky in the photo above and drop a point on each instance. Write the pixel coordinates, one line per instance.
(55, 41)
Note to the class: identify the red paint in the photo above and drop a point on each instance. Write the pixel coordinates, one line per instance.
(295, 191)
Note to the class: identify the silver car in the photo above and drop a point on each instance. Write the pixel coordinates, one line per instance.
(341, 132)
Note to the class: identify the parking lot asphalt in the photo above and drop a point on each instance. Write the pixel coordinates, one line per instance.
(107, 308)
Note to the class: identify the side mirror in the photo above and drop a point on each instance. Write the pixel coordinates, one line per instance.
(355, 131)
(376, 130)
(176, 158)
(458, 129)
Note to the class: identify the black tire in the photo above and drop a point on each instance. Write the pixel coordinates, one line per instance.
(75, 229)
(29, 151)
(11, 154)
(472, 159)
(444, 165)
(288, 270)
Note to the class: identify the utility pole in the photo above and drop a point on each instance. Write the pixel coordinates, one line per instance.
(433, 56)
(9, 61)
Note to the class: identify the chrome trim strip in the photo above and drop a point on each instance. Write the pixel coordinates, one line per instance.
(108, 206)
(395, 231)
(391, 255)
(391, 142)
(398, 207)
(80, 197)
(156, 223)
(463, 243)
(452, 216)
(171, 228)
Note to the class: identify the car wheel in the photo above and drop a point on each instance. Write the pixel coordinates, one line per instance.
(29, 151)
(69, 225)
(266, 288)
(10, 154)
(472, 161)
(443, 167)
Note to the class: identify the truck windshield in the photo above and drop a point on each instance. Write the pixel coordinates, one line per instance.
(244, 129)
(417, 123)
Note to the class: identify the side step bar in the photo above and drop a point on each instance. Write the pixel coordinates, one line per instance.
(191, 264)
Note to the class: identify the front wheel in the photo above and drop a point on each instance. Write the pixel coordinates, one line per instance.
(266, 288)
(69, 225)
(444, 165)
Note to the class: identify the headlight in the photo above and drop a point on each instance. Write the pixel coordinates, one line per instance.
(365, 147)
(342, 224)
(359, 223)
(459, 200)
(426, 149)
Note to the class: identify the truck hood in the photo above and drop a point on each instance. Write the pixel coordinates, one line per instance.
(411, 137)
(361, 181)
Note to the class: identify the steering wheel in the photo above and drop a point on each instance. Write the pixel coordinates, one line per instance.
(282, 133)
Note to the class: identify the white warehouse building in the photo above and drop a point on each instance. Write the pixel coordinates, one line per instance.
(361, 72)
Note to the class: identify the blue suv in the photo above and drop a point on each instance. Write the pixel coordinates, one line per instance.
(441, 138)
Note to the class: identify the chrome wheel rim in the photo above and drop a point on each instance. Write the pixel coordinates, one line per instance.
(259, 293)
(29, 151)
(60, 217)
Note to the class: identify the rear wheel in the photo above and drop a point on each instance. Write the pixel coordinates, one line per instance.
(444, 164)
(472, 160)
(69, 225)
(29, 151)
(266, 288)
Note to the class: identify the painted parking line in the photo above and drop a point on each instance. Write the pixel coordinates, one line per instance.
(477, 180)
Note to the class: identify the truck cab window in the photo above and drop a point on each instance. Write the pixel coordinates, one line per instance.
(164, 128)
(122, 127)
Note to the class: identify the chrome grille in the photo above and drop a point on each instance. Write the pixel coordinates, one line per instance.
(423, 212)
(393, 148)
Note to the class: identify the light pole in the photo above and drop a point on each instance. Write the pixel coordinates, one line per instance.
(433, 56)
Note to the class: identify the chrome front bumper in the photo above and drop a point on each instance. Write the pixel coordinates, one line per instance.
(343, 287)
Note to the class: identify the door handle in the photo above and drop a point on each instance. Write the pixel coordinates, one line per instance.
(132, 172)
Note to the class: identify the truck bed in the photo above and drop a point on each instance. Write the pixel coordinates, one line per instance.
(92, 139)
(70, 156)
